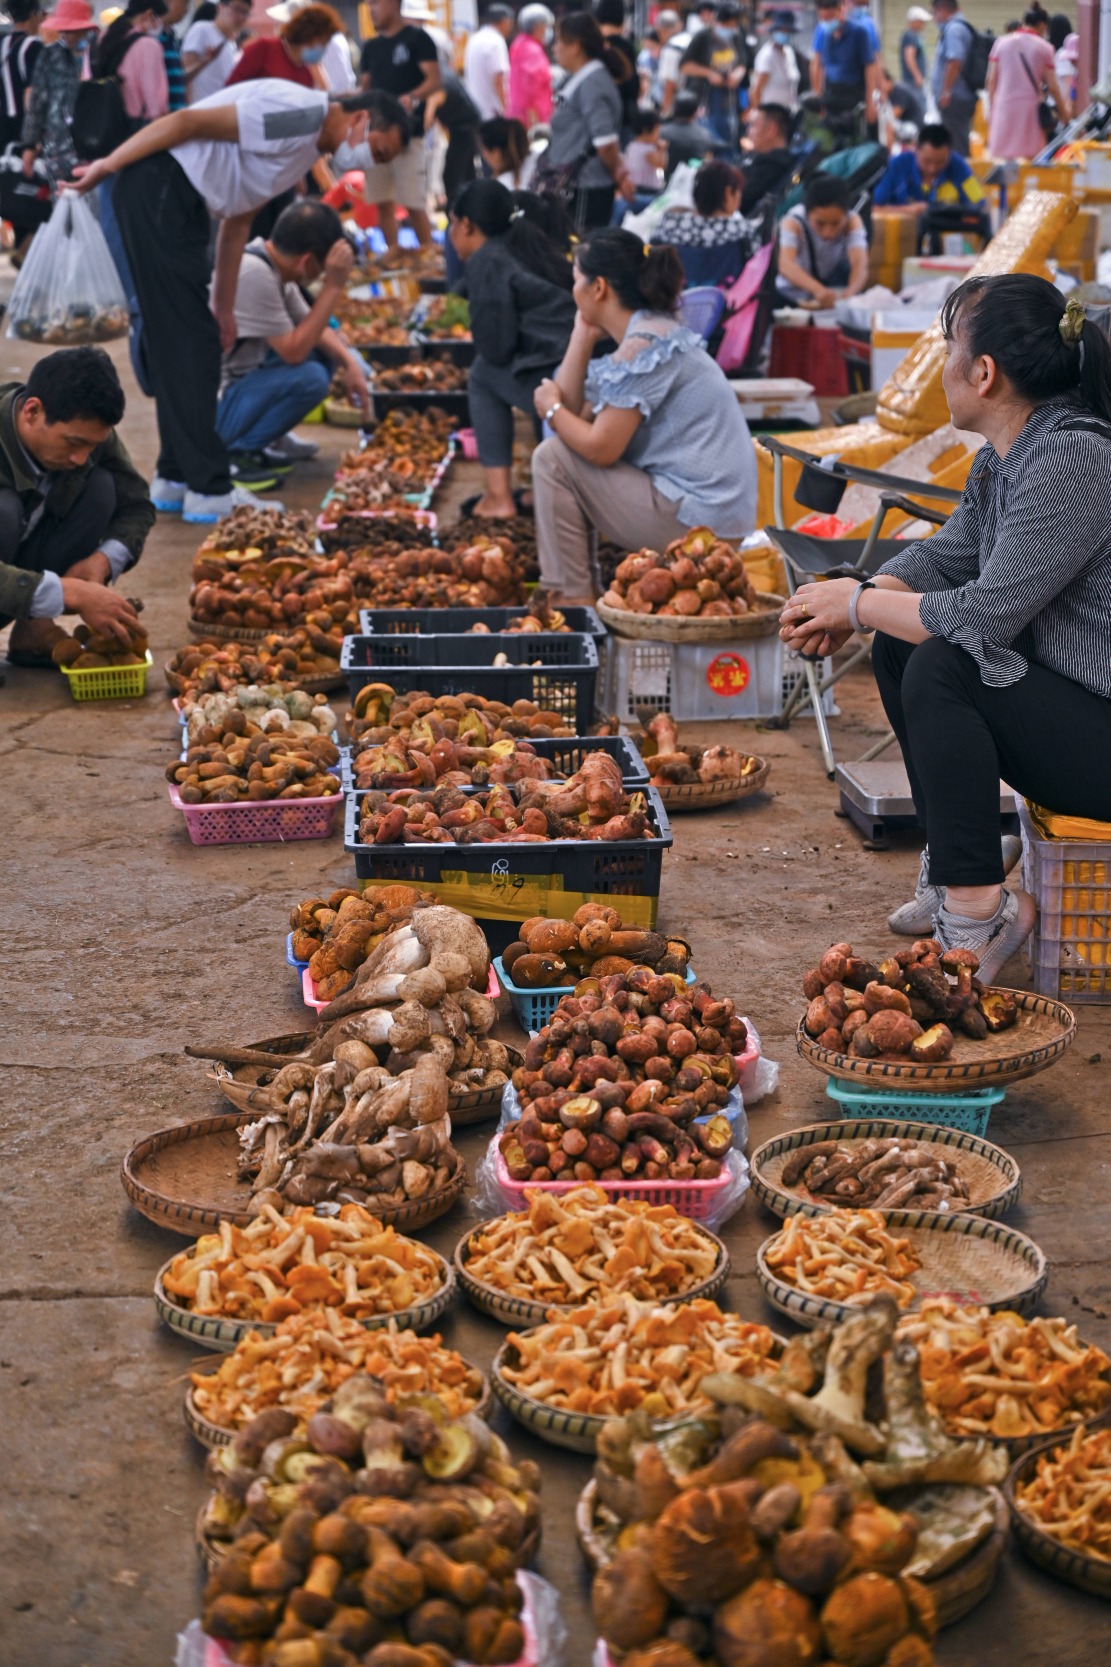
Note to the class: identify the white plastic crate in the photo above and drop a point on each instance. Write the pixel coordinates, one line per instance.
(693, 681)
(793, 673)
(1069, 950)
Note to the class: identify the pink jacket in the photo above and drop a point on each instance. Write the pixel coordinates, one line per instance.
(530, 82)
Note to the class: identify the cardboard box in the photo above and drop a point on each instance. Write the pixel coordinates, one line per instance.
(894, 240)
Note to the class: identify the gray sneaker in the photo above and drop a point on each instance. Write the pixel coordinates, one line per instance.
(916, 918)
(994, 940)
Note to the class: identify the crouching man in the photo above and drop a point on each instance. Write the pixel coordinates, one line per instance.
(74, 511)
(285, 350)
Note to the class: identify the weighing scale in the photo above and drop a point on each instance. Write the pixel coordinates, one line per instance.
(875, 797)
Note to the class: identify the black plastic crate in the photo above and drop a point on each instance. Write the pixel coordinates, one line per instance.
(383, 622)
(507, 882)
(566, 752)
(565, 681)
(387, 354)
(459, 349)
(456, 404)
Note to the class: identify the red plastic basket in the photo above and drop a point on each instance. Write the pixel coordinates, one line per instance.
(259, 821)
(695, 1199)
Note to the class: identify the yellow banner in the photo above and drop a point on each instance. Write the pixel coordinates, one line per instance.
(508, 896)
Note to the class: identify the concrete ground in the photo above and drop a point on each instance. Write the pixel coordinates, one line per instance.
(126, 942)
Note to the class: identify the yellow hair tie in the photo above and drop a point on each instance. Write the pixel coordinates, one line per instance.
(1071, 322)
(646, 250)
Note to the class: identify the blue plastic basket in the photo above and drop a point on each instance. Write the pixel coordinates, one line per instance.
(968, 1112)
(534, 1008)
(291, 959)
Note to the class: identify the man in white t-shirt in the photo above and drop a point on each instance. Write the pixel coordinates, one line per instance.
(223, 159)
(209, 52)
(486, 62)
(775, 73)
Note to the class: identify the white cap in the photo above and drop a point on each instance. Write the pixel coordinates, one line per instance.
(919, 14)
(417, 11)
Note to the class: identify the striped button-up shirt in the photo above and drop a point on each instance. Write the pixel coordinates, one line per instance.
(1022, 569)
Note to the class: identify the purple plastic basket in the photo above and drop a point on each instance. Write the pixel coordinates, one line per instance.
(259, 821)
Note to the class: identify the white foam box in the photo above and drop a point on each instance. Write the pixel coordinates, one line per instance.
(925, 269)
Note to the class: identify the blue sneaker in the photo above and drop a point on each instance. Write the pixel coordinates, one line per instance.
(167, 496)
(206, 507)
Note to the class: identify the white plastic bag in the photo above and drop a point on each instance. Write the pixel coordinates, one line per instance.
(678, 193)
(68, 292)
(759, 1076)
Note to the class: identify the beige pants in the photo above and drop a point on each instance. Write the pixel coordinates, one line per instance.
(573, 496)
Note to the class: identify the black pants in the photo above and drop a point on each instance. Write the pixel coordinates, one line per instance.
(1046, 736)
(54, 546)
(459, 160)
(165, 231)
(593, 206)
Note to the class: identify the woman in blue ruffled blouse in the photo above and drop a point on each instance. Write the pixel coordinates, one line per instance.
(648, 441)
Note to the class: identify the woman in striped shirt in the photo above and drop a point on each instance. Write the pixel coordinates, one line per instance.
(993, 638)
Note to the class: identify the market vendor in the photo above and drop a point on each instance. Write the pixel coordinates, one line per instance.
(74, 511)
(285, 350)
(932, 179)
(518, 285)
(991, 650)
(648, 441)
(823, 246)
(223, 157)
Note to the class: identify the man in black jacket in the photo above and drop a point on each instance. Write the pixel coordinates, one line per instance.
(74, 511)
(769, 164)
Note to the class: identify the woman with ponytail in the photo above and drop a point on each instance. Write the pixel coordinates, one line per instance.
(583, 158)
(517, 280)
(647, 442)
(992, 650)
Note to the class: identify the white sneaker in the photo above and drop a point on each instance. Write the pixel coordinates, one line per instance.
(917, 918)
(167, 496)
(289, 446)
(994, 940)
(205, 507)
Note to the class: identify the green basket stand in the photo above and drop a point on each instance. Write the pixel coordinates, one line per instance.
(967, 1112)
(108, 682)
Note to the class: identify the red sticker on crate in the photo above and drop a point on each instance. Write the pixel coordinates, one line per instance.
(728, 674)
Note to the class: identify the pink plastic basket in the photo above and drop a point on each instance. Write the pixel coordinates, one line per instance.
(468, 443)
(423, 517)
(746, 1065)
(695, 1199)
(259, 821)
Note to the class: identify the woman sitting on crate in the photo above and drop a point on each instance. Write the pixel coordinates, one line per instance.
(648, 441)
(713, 240)
(517, 281)
(992, 651)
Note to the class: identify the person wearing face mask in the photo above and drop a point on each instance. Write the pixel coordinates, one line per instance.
(296, 54)
(336, 64)
(46, 126)
(285, 350)
(775, 74)
(210, 51)
(715, 64)
(530, 70)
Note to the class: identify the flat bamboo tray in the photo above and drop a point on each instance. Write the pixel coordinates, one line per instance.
(963, 1256)
(323, 684)
(212, 1435)
(186, 1179)
(239, 1082)
(1090, 1574)
(222, 1334)
(521, 1313)
(763, 621)
(710, 795)
(993, 1177)
(955, 1592)
(1044, 1030)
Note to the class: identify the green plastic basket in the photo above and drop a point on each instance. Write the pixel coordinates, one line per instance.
(967, 1112)
(108, 682)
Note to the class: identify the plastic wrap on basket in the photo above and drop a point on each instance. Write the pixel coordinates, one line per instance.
(545, 1632)
(709, 1202)
(759, 1076)
(68, 292)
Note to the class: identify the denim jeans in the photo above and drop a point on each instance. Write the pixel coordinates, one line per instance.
(110, 226)
(266, 403)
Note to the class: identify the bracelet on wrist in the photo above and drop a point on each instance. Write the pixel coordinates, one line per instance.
(854, 604)
(552, 409)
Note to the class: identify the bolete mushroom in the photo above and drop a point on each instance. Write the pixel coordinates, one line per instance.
(767, 1625)
(811, 1557)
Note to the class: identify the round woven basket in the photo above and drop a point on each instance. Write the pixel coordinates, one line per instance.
(992, 1175)
(311, 685)
(212, 1435)
(186, 1179)
(222, 1334)
(1090, 1574)
(1044, 1030)
(520, 1313)
(763, 621)
(975, 1261)
(710, 795)
(339, 414)
(955, 1592)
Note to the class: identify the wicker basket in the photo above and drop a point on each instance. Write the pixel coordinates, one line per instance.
(761, 622)
(711, 795)
(1090, 1574)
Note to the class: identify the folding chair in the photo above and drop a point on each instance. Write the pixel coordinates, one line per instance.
(806, 557)
(700, 309)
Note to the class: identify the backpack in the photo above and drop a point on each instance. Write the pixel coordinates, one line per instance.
(100, 119)
(974, 70)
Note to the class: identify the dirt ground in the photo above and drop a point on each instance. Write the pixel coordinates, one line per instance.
(126, 942)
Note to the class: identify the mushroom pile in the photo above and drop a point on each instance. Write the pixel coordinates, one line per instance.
(592, 944)
(388, 1535)
(698, 576)
(674, 765)
(260, 532)
(289, 658)
(361, 1114)
(271, 707)
(336, 934)
(754, 1538)
(243, 762)
(903, 1008)
(470, 726)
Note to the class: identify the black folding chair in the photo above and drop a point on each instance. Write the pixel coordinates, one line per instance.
(821, 487)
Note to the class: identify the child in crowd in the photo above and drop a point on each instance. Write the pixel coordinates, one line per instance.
(646, 153)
